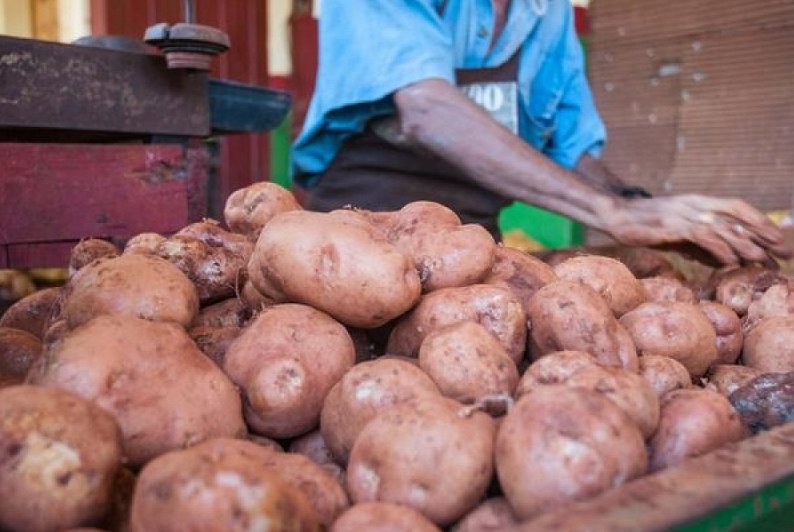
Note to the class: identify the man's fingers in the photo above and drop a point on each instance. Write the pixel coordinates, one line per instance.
(740, 239)
(706, 238)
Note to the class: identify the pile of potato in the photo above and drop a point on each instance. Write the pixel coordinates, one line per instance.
(356, 371)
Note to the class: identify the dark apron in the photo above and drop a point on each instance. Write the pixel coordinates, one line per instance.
(372, 173)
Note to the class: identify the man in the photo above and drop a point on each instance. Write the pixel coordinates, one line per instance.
(392, 121)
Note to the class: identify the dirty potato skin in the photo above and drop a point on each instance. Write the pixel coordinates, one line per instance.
(560, 444)
(609, 277)
(519, 272)
(383, 516)
(335, 262)
(313, 447)
(492, 515)
(667, 290)
(285, 362)
(776, 302)
(738, 287)
(568, 315)
(217, 485)
(425, 454)
(677, 330)
(554, 368)
(728, 327)
(214, 341)
(664, 374)
(144, 243)
(467, 362)
(160, 402)
(249, 209)
(34, 313)
(232, 312)
(495, 308)
(18, 351)
(362, 393)
(87, 251)
(726, 378)
(60, 455)
(693, 422)
(769, 346)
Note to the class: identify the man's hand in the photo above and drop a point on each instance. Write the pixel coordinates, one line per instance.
(729, 229)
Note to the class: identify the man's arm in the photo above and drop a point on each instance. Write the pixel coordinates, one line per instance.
(436, 117)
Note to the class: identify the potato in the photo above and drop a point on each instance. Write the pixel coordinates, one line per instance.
(87, 251)
(664, 374)
(776, 302)
(559, 444)
(60, 455)
(383, 516)
(739, 287)
(424, 454)
(693, 422)
(313, 447)
(363, 392)
(252, 298)
(769, 347)
(285, 362)
(645, 263)
(34, 313)
(765, 401)
(467, 362)
(217, 485)
(18, 351)
(135, 285)
(609, 277)
(151, 376)
(232, 312)
(677, 330)
(444, 252)
(726, 378)
(492, 515)
(493, 307)
(249, 209)
(214, 341)
(728, 327)
(554, 368)
(336, 262)
(567, 315)
(55, 333)
(267, 443)
(144, 243)
(519, 272)
(667, 290)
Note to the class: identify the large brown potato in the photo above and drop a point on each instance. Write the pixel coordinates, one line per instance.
(384, 517)
(667, 290)
(232, 312)
(568, 315)
(34, 313)
(554, 368)
(677, 330)
(769, 347)
(425, 454)
(467, 362)
(336, 262)
(726, 378)
(217, 485)
(609, 277)
(363, 392)
(144, 243)
(493, 307)
(18, 351)
(140, 286)
(520, 272)
(559, 444)
(164, 393)
(738, 287)
(59, 455)
(693, 422)
(765, 401)
(645, 263)
(249, 209)
(286, 361)
(664, 374)
(492, 515)
(87, 251)
(728, 327)
(214, 341)
(776, 302)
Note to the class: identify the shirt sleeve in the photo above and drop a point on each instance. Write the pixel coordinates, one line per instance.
(579, 127)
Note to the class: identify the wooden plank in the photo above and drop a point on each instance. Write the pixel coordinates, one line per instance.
(679, 494)
(52, 192)
(53, 86)
(3, 257)
(40, 255)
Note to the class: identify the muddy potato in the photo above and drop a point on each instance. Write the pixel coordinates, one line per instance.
(232, 312)
(383, 516)
(728, 327)
(363, 392)
(34, 313)
(87, 251)
(776, 302)
(664, 374)
(467, 362)
(495, 308)
(677, 330)
(519, 272)
(217, 485)
(285, 362)
(765, 401)
(214, 341)
(693, 422)
(726, 378)
(559, 444)
(554, 368)
(404, 456)
(313, 447)
(667, 290)
(164, 393)
(140, 286)
(60, 454)
(738, 287)
(609, 277)
(335, 262)
(645, 263)
(249, 209)
(492, 515)
(567, 315)
(769, 346)
(252, 298)
(144, 243)
(267, 443)
(18, 351)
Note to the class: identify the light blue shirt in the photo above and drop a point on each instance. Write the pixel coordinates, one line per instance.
(371, 48)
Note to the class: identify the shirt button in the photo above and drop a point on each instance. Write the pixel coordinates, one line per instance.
(482, 32)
